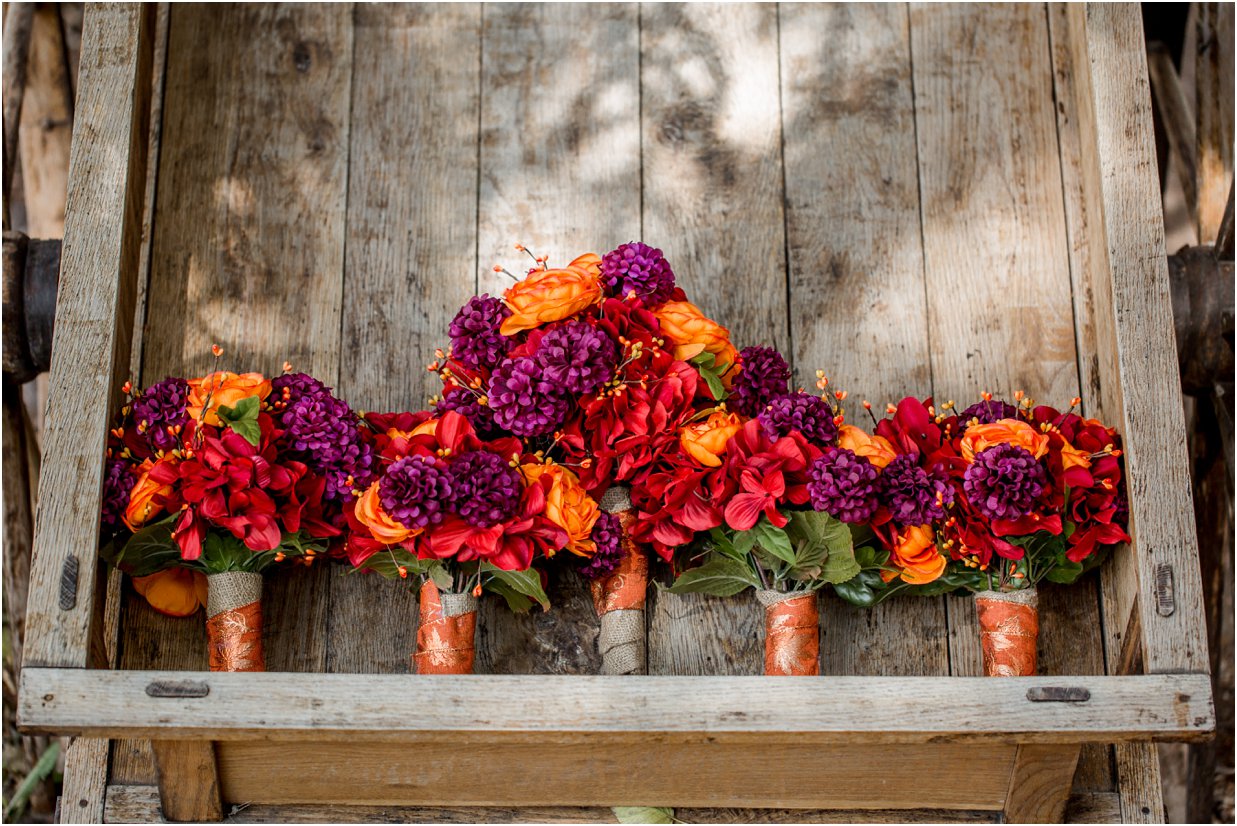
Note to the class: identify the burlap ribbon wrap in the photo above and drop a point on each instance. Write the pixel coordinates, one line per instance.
(792, 634)
(619, 597)
(1008, 631)
(446, 637)
(234, 621)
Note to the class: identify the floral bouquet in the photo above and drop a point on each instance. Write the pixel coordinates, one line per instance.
(594, 366)
(462, 514)
(211, 481)
(761, 496)
(994, 501)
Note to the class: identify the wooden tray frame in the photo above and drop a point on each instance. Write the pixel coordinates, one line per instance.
(688, 741)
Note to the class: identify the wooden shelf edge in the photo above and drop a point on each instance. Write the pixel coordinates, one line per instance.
(302, 706)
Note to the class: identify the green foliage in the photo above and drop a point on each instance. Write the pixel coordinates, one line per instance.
(224, 552)
(712, 372)
(150, 550)
(521, 589)
(721, 576)
(243, 418)
(644, 814)
(44, 767)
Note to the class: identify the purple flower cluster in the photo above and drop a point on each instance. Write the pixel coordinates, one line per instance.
(1004, 481)
(844, 485)
(607, 535)
(989, 412)
(577, 357)
(486, 489)
(324, 433)
(810, 415)
(481, 416)
(637, 268)
(914, 496)
(416, 491)
(161, 406)
(475, 340)
(117, 484)
(524, 403)
(763, 378)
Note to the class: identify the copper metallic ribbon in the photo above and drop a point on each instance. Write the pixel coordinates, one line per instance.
(624, 589)
(792, 634)
(234, 632)
(619, 597)
(446, 637)
(1008, 632)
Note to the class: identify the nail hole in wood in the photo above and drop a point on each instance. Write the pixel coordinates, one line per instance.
(177, 688)
(1058, 694)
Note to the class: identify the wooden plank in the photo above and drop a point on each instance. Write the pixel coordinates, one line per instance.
(559, 130)
(856, 266)
(674, 773)
(411, 256)
(46, 127)
(1136, 278)
(837, 709)
(91, 343)
(17, 30)
(189, 780)
(1039, 784)
(1214, 107)
(85, 781)
(1178, 119)
(713, 201)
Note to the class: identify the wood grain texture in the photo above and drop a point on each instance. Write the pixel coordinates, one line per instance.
(1213, 105)
(1040, 783)
(91, 343)
(856, 266)
(560, 173)
(189, 788)
(85, 780)
(713, 202)
(837, 709)
(46, 127)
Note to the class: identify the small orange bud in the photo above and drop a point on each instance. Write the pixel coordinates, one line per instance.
(403, 572)
(1074, 402)
(890, 409)
(287, 367)
(127, 388)
(840, 395)
(216, 350)
(986, 396)
(867, 405)
(476, 591)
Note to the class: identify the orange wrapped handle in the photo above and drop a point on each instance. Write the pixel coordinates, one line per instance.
(234, 621)
(624, 589)
(1008, 632)
(792, 634)
(446, 637)
(618, 598)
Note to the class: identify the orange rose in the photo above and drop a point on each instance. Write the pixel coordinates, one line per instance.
(692, 333)
(590, 262)
(177, 592)
(226, 389)
(567, 505)
(916, 554)
(381, 526)
(876, 449)
(706, 441)
(979, 437)
(141, 498)
(551, 295)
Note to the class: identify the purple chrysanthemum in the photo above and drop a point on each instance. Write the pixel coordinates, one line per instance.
(577, 357)
(161, 406)
(810, 415)
(416, 491)
(637, 268)
(608, 537)
(844, 485)
(914, 496)
(1004, 481)
(116, 487)
(523, 402)
(481, 416)
(989, 412)
(486, 489)
(289, 388)
(323, 432)
(763, 378)
(475, 340)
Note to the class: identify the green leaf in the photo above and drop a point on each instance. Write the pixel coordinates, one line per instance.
(774, 540)
(856, 591)
(643, 814)
(720, 577)
(706, 365)
(840, 566)
(704, 359)
(524, 584)
(150, 550)
(247, 430)
(824, 549)
(47, 762)
(243, 418)
(743, 543)
(1064, 572)
(721, 543)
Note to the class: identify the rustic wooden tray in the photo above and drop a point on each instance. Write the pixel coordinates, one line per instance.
(920, 200)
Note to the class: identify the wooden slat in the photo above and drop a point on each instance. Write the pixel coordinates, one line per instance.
(1177, 117)
(1039, 784)
(411, 256)
(46, 127)
(85, 780)
(1214, 108)
(856, 266)
(834, 709)
(560, 173)
(189, 787)
(713, 201)
(91, 343)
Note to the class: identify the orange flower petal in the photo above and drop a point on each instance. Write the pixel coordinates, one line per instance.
(176, 592)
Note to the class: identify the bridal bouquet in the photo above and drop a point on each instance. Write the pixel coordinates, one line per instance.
(223, 477)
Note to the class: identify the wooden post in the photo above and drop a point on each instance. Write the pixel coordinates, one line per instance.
(1040, 783)
(188, 780)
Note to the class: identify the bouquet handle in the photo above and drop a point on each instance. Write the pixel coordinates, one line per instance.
(446, 637)
(620, 596)
(234, 621)
(1008, 631)
(792, 633)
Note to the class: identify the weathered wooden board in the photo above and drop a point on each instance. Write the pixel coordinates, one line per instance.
(412, 253)
(560, 173)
